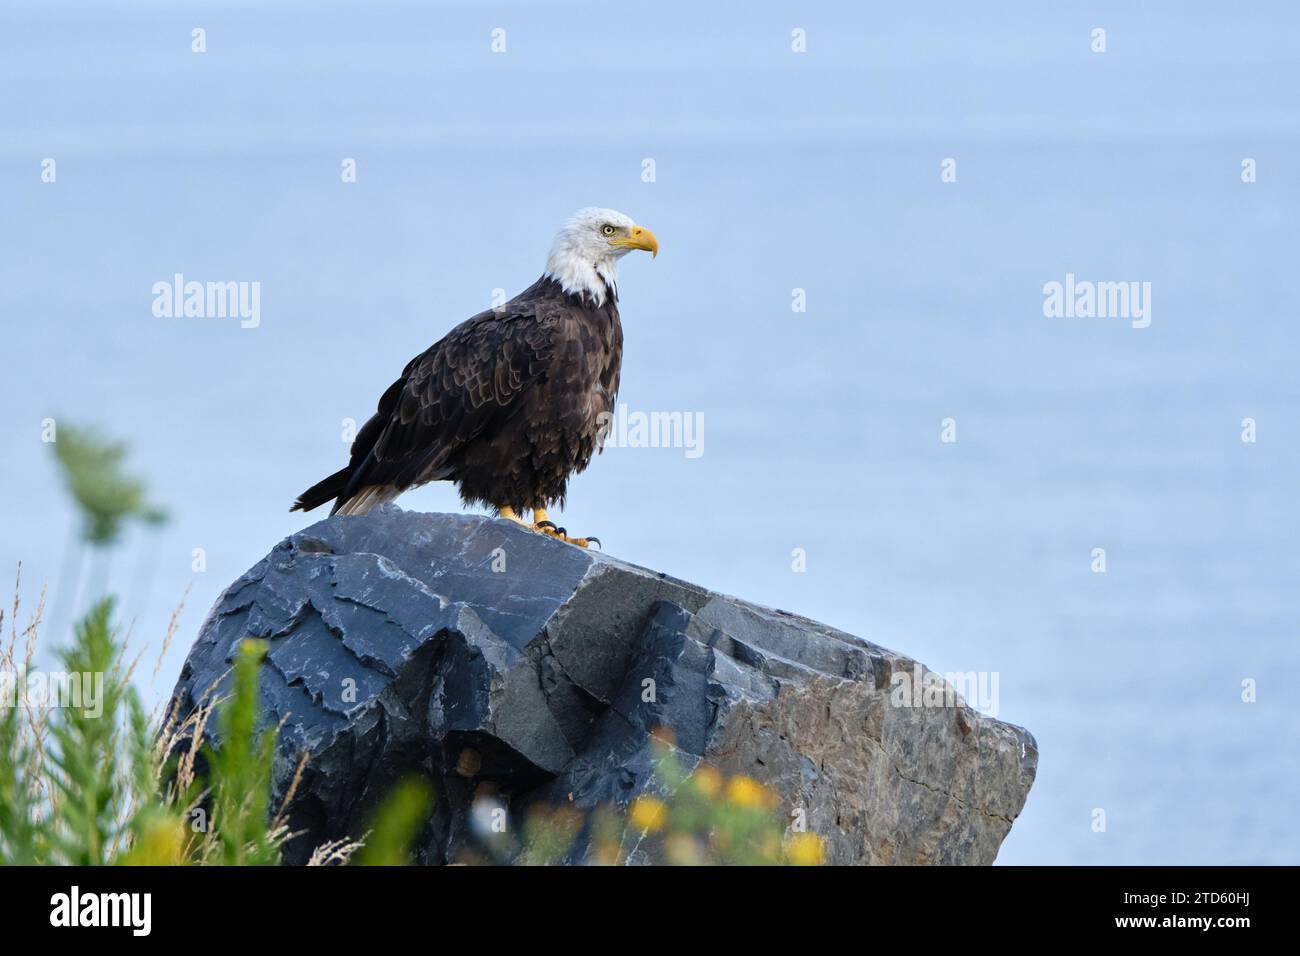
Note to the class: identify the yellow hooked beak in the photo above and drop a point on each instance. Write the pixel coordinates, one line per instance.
(640, 238)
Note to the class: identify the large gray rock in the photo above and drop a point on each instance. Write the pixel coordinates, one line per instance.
(474, 650)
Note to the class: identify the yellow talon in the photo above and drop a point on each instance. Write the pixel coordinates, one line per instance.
(542, 522)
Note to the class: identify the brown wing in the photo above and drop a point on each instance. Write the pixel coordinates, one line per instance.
(464, 386)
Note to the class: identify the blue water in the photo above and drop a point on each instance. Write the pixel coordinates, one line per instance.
(775, 171)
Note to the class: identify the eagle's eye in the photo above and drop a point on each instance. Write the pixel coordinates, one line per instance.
(607, 229)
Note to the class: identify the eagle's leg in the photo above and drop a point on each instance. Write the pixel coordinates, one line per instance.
(511, 515)
(543, 523)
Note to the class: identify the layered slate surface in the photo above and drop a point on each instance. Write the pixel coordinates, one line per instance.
(499, 660)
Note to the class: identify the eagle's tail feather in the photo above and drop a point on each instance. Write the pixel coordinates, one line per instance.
(365, 499)
(323, 491)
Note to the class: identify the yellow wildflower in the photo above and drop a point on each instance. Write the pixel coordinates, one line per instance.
(648, 813)
(806, 849)
(746, 792)
(708, 781)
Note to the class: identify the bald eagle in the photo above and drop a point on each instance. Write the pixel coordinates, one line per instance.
(513, 401)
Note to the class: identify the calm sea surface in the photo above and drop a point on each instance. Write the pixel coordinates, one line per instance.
(821, 429)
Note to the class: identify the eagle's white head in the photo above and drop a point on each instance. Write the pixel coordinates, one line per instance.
(585, 255)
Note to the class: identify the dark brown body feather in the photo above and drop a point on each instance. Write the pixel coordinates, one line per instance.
(508, 405)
